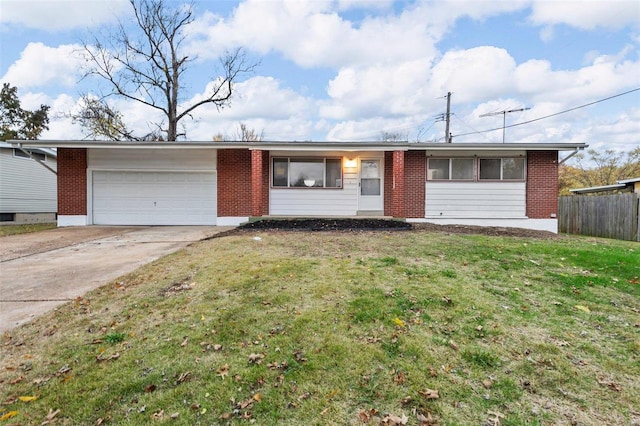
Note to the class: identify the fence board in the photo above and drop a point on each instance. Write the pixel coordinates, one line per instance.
(609, 216)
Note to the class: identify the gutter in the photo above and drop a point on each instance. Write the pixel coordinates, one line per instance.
(36, 160)
(570, 155)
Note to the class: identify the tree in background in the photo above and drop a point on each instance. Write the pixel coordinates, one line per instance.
(393, 137)
(599, 168)
(147, 65)
(18, 123)
(99, 120)
(243, 134)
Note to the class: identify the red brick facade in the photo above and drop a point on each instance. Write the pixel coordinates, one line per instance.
(388, 183)
(243, 183)
(234, 182)
(415, 176)
(72, 181)
(397, 202)
(542, 184)
(259, 183)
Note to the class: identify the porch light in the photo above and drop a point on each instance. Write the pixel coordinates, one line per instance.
(350, 163)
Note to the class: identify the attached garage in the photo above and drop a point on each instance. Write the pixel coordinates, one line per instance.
(152, 187)
(154, 198)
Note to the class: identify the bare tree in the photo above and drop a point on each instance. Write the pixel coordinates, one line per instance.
(243, 134)
(147, 65)
(393, 136)
(246, 134)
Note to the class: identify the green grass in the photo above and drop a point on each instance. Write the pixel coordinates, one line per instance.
(315, 328)
(6, 230)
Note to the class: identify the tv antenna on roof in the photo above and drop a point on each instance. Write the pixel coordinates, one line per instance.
(504, 116)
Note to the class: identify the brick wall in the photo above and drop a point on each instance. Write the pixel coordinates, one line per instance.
(388, 183)
(398, 202)
(234, 182)
(259, 183)
(542, 184)
(415, 174)
(72, 181)
(265, 182)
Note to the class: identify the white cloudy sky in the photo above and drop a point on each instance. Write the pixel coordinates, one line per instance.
(351, 69)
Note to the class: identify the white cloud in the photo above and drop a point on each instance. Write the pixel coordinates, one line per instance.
(474, 74)
(40, 65)
(53, 15)
(262, 104)
(394, 89)
(610, 14)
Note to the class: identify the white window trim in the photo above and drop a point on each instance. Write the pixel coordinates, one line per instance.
(502, 179)
(476, 169)
(324, 164)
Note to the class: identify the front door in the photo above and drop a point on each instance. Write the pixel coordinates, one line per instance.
(371, 199)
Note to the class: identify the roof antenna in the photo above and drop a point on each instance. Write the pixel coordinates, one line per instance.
(504, 117)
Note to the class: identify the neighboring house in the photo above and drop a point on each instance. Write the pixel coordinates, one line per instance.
(28, 190)
(625, 185)
(226, 183)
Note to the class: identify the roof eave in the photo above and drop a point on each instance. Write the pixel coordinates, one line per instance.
(602, 188)
(303, 146)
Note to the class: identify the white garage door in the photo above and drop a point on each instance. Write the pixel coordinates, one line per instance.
(154, 198)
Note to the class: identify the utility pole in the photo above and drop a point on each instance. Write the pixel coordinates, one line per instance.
(504, 117)
(447, 116)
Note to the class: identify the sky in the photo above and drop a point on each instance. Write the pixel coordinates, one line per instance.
(349, 70)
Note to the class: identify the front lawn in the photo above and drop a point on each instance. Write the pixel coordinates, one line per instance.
(25, 229)
(407, 327)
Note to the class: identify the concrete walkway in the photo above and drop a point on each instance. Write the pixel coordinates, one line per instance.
(43, 270)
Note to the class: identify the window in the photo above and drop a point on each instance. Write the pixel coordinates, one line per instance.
(502, 168)
(7, 217)
(450, 169)
(35, 154)
(307, 172)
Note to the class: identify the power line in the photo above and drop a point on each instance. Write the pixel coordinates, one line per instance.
(551, 115)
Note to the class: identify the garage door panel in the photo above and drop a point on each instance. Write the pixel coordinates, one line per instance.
(154, 198)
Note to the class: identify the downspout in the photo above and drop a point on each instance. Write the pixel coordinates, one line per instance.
(36, 160)
(570, 155)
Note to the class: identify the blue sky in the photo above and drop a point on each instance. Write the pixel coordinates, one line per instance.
(351, 69)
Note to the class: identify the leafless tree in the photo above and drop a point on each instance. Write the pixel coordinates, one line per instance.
(147, 64)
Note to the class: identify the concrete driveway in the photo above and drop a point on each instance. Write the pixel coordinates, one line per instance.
(42, 270)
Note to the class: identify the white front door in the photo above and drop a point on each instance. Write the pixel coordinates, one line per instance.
(371, 197)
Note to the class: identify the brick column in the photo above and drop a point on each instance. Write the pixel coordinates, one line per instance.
(256, 182)
(397, 200)
(72, 181)
(415, 169)
(542, 184)
(234, 182)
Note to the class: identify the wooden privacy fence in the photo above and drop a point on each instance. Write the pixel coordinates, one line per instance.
(609, 216)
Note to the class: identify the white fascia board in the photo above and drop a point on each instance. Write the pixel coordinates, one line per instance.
(304, 146)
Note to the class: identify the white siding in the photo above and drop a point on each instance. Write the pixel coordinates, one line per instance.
(316, 202)
(475, 199)
(152, 159)
(26, 186)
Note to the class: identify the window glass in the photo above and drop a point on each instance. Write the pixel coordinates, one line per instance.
(306, 172)
(490, 168)
(513, 168)
(334, 173)
(370, 186)
(280, 172)
(438, 169)
(35, 154)
(462, 168)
